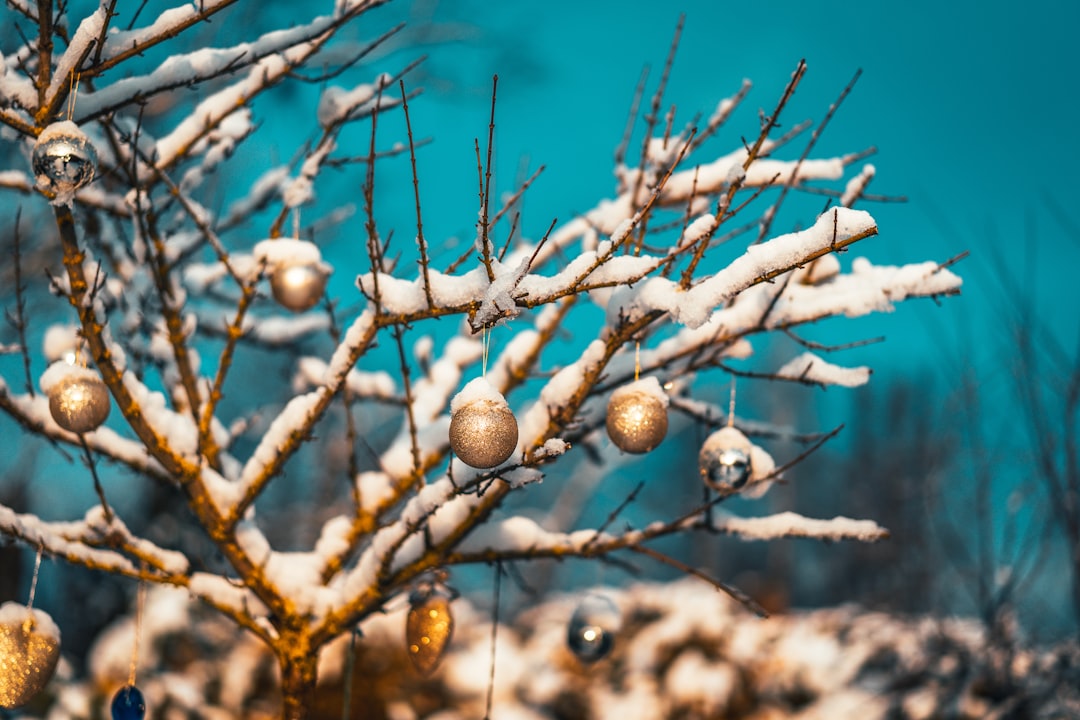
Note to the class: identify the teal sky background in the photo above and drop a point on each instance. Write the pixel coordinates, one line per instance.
(970, 105)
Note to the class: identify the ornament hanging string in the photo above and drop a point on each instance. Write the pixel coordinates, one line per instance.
(73, 90)
(494, 636)
(485, 342)
(296, 223)
(350, 665)
(637, 360)
(98, 488)
(33, 580)
(731, 406)
(140, 601)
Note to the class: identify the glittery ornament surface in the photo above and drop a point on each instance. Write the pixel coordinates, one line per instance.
(79, 403)
(725, 459)
(128, 704)
(29, 650)
(298, 287)
(63, 159)
(428, 629)
(590, 635)
(483, 434)
(636, 422)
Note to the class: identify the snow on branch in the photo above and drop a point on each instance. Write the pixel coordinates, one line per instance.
(379, 385)
(120, 44)
(809, 368)
(714, 177)
(270, 57)
(703, 180)
(833, 231)
(89, 30)
(75, 542)
(867, 288)
(789, 524)
(521, 537)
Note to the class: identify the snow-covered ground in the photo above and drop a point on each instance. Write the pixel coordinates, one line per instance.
(683, 651)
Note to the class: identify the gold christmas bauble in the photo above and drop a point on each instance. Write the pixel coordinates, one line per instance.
(29, 651)
(725, 459)
(79, 403)
(63, 159)
(428, 629)
(483, 433)
(636, 421)
(299, 286)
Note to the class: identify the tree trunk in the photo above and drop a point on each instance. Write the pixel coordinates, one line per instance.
(298, 677)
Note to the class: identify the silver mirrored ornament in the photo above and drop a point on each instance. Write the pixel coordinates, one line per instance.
(483, 433)
(298, 286)
(725, 460)
(590, 635)
(636, 421)
(79, 402)
(29, 651)
(63, 159)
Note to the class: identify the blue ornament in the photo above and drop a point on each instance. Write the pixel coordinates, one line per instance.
(591, 632)
(128, 704)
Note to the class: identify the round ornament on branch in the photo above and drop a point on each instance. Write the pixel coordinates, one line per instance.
(590, 634)
(726, 459)
(128, 704)
(78, 398)
(298, 275)
(29, 651)
(428, 628)
(637, 416)
(483, 430)
(63, 160)
(298, 287)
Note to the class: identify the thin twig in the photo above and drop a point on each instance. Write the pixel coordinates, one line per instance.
(494, 637)
(92, 465)
(793, 178)
(733, 592)
(19, 321)
(424, 263)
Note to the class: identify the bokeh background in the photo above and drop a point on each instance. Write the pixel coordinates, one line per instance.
(971, 107)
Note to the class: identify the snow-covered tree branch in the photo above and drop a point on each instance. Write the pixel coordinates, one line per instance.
(177, 306)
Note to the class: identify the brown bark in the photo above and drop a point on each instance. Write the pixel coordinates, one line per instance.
(299, 667)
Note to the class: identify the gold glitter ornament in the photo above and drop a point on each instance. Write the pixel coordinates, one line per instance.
(29, 651)
(79, 402)
(298, 286)
(483, 430)
(428, 628)
(637, 416)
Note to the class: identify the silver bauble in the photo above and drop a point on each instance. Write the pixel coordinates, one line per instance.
(298, 287)
(428, 629)
(483, 433)
(725, 460)
(590, 635)
(29, 650)
(636, 421)
(63, 160)
(79, 403)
